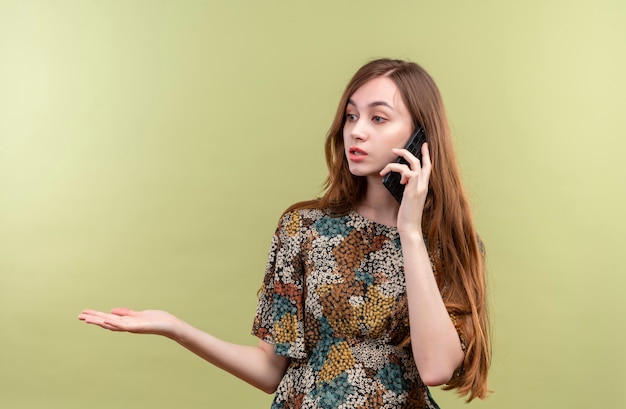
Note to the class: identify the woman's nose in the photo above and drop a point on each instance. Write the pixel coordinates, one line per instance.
(358, 131)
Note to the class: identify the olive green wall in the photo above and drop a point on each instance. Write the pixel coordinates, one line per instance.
(147, 149)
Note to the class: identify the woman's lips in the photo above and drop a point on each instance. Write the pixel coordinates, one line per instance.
(356, 154)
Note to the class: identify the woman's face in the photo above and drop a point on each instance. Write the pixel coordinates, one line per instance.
(377, 120)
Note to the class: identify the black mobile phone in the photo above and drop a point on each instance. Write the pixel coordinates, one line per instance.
(392, 179)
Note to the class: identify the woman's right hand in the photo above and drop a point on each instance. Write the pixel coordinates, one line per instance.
(138, 322)
(260, 366)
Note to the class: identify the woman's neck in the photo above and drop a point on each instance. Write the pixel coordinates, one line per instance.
(378, 205)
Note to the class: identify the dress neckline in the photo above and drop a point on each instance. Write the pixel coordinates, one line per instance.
(353, 213)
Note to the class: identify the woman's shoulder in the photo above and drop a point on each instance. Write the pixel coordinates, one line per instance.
(308, 213)
(295, 222)
(305, 208)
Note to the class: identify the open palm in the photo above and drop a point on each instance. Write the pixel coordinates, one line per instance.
(139, 322)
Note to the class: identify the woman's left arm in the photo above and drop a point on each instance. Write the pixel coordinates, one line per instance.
(436, 345)
(435, 342)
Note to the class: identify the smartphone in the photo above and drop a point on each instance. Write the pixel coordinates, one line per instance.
(392, 179)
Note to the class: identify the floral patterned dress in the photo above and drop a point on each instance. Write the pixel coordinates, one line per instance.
(334, 301)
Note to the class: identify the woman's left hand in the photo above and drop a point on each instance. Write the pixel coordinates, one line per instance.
(415, 177)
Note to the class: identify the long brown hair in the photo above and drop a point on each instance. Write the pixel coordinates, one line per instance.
(453, 243)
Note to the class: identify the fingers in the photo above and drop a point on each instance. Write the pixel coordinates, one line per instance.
(96, 318)
(415, 167)
(426, 162)
(415, 163)
(106, 325)
(405, 172)
(121, 312)
(88, 314)
(106, 320)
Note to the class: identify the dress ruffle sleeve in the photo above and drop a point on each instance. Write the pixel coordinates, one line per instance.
(279, 318)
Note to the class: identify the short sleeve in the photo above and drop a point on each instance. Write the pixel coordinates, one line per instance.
(279, 318)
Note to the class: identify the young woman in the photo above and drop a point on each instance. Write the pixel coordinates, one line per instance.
(365, 302)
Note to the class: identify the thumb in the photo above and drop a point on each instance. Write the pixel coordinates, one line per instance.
(123, 311)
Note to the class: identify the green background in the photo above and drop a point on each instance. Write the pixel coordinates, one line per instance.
(147, 149)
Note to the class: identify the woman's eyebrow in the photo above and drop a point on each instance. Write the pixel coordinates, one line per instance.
(373, 104)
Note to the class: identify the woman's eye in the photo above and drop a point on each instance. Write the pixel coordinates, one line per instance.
(351, 117)
(378, 119)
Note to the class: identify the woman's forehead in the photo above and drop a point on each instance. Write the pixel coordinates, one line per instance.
(379, 91)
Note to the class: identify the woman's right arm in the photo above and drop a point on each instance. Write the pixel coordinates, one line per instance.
(259, 366)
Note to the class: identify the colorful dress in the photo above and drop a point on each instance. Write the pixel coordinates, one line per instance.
(334, 301)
